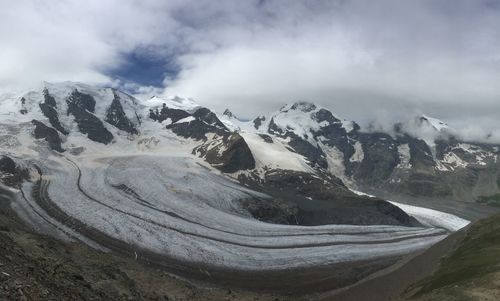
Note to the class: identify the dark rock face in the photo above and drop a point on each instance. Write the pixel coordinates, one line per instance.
(82, 101)
(210, 118)
(204, 122)
(11, 174)
(48, 108)
(228, 113)
(313, 153)
(165, 113)
(334, 135)
(422, 180)
(275, 129)
(116, 116)
(420, 155)
(228, 151)
(380, 158)
(49, 134)
(23, 111)
(7, 165)
(266, 138)
(81, 106)
(321, 201)
(195, 129)
(235, 155)
(325, 115)
(273, 211)
(257, 122)
(49, 99)
(303, 106)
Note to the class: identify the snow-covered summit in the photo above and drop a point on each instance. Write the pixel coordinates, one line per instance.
(305, 118)
(172, 102)
(435, 123)
(228, 113)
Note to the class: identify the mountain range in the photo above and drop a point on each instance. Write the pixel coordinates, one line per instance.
(179, 185)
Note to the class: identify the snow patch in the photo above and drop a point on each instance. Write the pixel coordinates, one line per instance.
(358, 155)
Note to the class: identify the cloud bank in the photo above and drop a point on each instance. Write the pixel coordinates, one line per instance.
(359, 58)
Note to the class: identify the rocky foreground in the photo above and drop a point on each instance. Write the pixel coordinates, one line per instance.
(38, 267)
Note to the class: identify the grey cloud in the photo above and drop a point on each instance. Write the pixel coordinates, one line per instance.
(359, 58)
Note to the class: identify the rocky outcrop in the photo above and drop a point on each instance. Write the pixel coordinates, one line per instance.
(323, 200)
(380, 158)
(314, 154)
(48, 134)
(231, 155)
(23, 110)
(198, 125)
(275, 211)
(117, 117)
(167, 113)
(48, 108)
(81, 106)
(257, 122)
(228, 113)
(11, 174)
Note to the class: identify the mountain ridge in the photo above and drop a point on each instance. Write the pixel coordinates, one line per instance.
(413, 160)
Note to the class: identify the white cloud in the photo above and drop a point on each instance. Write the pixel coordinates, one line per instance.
(360, 58)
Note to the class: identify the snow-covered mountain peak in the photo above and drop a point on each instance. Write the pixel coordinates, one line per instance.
(228, 113)
(423, 125)
(304, 117)
(302, 106)
(173, 102)
(437, 124)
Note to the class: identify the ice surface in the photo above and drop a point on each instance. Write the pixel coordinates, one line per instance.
(152, 193)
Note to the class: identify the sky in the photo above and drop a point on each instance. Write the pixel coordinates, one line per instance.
(384, 60)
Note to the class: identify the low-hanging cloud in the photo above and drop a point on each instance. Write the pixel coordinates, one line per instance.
(359, 58)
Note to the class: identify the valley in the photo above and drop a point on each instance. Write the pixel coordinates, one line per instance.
(270, 205)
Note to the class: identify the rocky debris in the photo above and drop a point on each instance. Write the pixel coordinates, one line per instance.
(117, 117)
(49, 134)
(231, 155)
(48, 108)
(81, 106)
